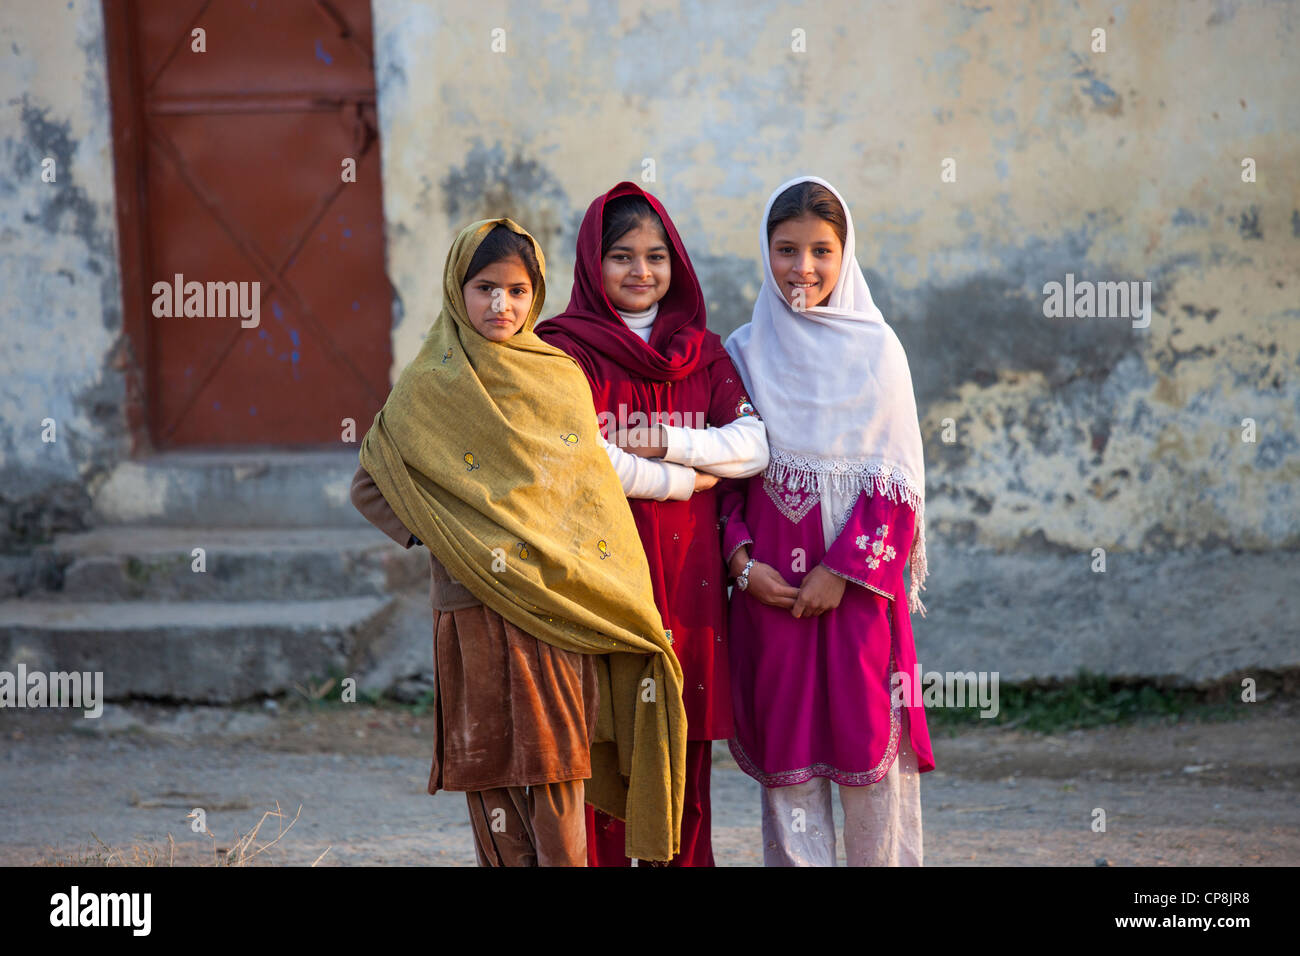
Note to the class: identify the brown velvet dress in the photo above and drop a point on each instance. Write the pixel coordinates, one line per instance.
(509, 710)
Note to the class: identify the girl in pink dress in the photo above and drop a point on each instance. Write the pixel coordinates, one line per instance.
(820, 617)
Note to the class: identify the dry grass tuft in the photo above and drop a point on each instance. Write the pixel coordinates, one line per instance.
(241, 852)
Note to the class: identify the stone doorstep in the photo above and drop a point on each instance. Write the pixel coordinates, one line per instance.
(208, 652)
(254, 489)
(130, 562)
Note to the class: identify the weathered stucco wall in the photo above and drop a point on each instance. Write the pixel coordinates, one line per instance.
(1118, 165)
(61, 308)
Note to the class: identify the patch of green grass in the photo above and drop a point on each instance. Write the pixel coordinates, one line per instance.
(327, 692)
(1095, 700)
(142, 572)
(424, 703)
(1089, 700)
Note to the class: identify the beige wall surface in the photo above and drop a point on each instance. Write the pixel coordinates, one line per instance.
(60, 312)
(1122, 165)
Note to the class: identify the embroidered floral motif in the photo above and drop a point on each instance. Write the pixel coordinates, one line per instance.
(791, 502)
(879, 550)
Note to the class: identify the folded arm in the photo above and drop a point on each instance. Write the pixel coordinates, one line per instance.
(650, 478)
(736, 450)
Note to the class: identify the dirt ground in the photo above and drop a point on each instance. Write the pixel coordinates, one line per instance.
(1185, 794)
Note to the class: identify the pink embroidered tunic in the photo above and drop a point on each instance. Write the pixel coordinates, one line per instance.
(812, 696)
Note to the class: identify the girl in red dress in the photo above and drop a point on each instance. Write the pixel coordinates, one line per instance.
(676, 416)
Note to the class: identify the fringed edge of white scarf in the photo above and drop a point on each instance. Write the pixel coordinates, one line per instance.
(798, 472)
(916, 561)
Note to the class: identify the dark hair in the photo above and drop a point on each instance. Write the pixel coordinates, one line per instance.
(624, 214)
(808, 199)
(500, 244)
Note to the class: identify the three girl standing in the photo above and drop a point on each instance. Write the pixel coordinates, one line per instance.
(811, 664)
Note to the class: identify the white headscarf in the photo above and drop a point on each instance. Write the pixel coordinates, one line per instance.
(834, 389)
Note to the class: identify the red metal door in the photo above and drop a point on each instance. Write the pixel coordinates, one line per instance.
(233, 167)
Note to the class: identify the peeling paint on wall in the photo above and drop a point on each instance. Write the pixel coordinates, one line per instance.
(1115, 166)
(58, 265)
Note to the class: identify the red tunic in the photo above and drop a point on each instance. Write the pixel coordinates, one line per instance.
(682, 372)
(682, 541)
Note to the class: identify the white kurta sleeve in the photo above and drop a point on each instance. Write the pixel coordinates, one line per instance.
(736, 450)
(650, 478)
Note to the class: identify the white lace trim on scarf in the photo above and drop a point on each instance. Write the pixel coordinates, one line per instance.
(849, 477)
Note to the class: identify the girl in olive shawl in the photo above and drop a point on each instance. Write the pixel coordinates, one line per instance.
(551, 660)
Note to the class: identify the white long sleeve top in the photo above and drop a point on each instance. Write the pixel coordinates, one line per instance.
(736, 450)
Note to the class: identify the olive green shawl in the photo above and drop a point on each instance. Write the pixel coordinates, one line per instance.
(489, 453)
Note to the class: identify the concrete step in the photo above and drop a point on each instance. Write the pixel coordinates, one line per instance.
(246, 489)
(213, 652)
(134, 562)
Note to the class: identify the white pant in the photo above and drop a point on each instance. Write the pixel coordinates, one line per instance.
(882, 821)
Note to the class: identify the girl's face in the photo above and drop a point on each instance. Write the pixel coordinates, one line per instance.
(806, 256)
(498, 299)
(636, 270)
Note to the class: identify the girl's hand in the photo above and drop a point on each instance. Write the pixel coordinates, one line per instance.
(820, 592)
(768, 586)
(704, 481)
(646, 442)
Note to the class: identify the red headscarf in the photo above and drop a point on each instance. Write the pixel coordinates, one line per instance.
(683, 369)
(592, 332)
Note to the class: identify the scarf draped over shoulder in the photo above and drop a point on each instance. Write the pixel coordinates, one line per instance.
(489, 453)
